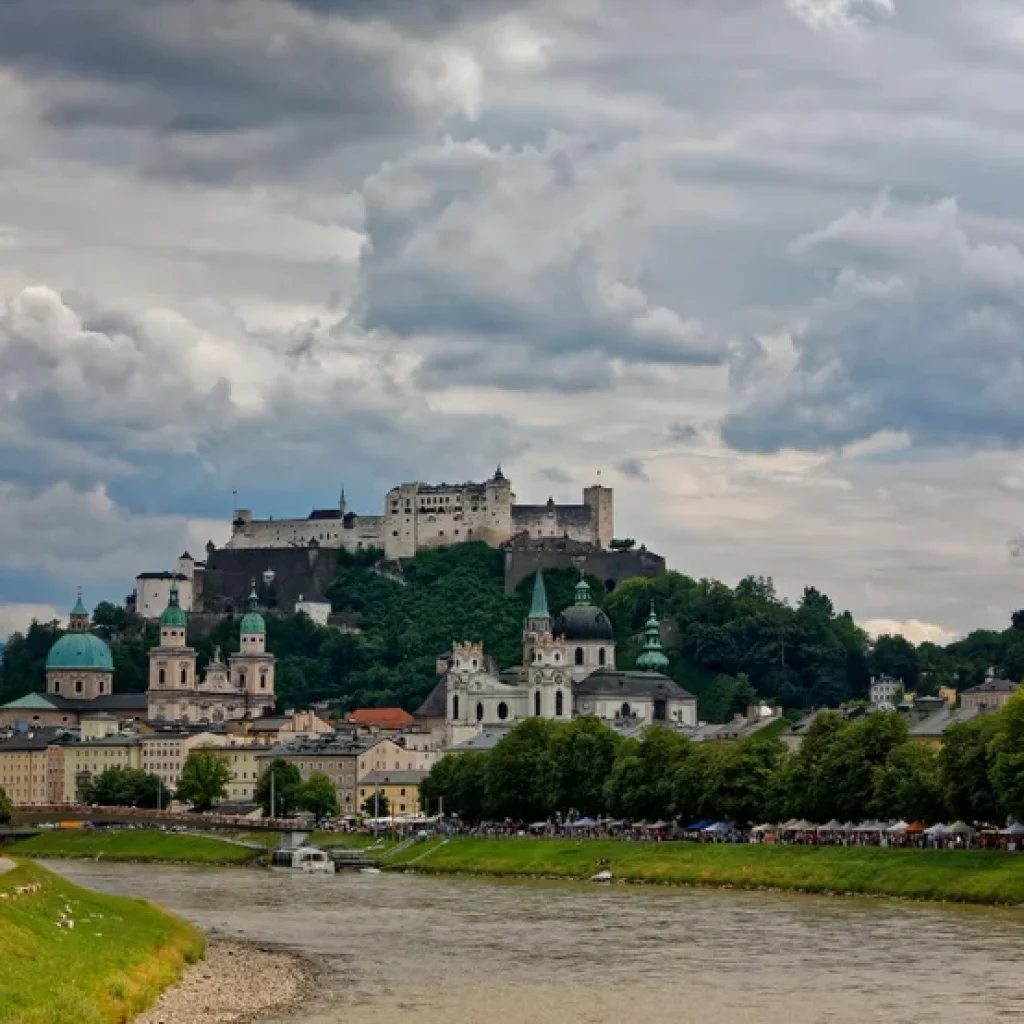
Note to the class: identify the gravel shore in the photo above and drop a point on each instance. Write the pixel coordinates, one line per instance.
(234, 984)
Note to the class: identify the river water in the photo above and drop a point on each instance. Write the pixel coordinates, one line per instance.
(403, 948)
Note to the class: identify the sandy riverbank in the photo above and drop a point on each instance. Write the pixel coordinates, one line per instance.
(235, 984)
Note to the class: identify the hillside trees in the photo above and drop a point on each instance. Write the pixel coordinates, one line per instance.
(729, 646)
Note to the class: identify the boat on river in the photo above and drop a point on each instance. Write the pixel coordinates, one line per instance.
(310, 859)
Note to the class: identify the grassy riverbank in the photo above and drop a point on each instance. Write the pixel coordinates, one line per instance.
(955, 875)
(134, 845)
(116, 960)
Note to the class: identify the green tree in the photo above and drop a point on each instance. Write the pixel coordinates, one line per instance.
(896, 656)
(642, 781)
(281, 783)
(457, 785)
(965, 769)
(909, 785)
(318, 796)
(6, 807)
(521, 781)
(1006, 753)
(582, 755)
(204, 779)
(377, 805)
(742, 777)
(125, 787)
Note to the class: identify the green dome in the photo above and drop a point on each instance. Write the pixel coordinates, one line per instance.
(80, 650)
(252, 621)
(652, 658)
(174, 615)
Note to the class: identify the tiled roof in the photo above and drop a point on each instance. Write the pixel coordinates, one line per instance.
(383, 718)
(31, 702)
(436, 704)
(995, 686)
(607, 681)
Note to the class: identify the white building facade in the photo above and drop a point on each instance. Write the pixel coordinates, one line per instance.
(568, 671)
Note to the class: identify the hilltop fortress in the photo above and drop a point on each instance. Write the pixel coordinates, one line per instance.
(294, 561)
(421, 515)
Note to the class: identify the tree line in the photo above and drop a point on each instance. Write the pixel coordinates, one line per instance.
(204, 783)
(851, 770)
(729, 646)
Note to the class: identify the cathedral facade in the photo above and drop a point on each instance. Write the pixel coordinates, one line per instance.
(568, 671)
(243, 687)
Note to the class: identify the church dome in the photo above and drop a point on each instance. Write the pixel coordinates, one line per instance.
(252, 621)
(174, 615)
(80, 650)
(584, 622)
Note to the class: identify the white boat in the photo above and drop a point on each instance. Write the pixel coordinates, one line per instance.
(312, 860)
(369, 871)
(601, 876)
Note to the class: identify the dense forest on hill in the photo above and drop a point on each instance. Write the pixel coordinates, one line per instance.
(728, 646)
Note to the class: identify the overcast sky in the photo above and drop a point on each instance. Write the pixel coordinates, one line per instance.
(760, 263)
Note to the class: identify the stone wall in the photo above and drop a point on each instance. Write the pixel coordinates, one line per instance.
(524, 557)
(330, 529)
(297, 571)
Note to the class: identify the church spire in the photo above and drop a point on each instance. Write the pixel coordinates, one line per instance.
(652, 657)
(539, 616)
(79, 618)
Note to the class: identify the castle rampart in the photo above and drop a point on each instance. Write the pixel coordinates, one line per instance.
(418, 515)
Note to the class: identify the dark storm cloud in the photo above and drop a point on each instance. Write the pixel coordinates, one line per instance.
(428, 16)
(211, 68)
(921, 333)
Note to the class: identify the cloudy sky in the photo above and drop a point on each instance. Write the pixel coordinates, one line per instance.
(760, 263)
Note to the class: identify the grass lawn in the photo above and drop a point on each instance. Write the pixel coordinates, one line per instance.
(352, 840)
(132, 844)
(973, 876)
(116, 960)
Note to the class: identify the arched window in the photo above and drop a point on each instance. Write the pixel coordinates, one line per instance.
(79, 686)
(455, 706)
(601, 657)
(559, 704)
(161, 677)
(103, 686)
(184, 676)
(558, 657)
(503, 711)
(579, 655)
(241, 680)
(479, 711)
(263, 681)
(625, 711)
(536, 703)
(56, 686)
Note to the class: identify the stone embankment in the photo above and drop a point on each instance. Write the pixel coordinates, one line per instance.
(234, 984)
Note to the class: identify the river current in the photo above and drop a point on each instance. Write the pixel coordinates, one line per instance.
(402, 948)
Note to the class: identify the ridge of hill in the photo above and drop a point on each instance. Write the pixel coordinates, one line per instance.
(729, 646)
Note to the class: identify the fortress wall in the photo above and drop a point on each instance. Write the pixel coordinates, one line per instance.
(226, 581)
(611, 566)
(351, 533)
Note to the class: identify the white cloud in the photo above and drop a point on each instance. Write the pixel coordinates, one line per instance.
(915, 631)
(839, 15)
(16, 618)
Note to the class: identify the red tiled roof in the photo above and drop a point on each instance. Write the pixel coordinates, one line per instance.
(382, 718)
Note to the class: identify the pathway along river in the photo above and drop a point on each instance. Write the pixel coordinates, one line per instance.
(402, 948)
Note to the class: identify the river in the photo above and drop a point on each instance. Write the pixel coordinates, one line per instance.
(402, 948)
